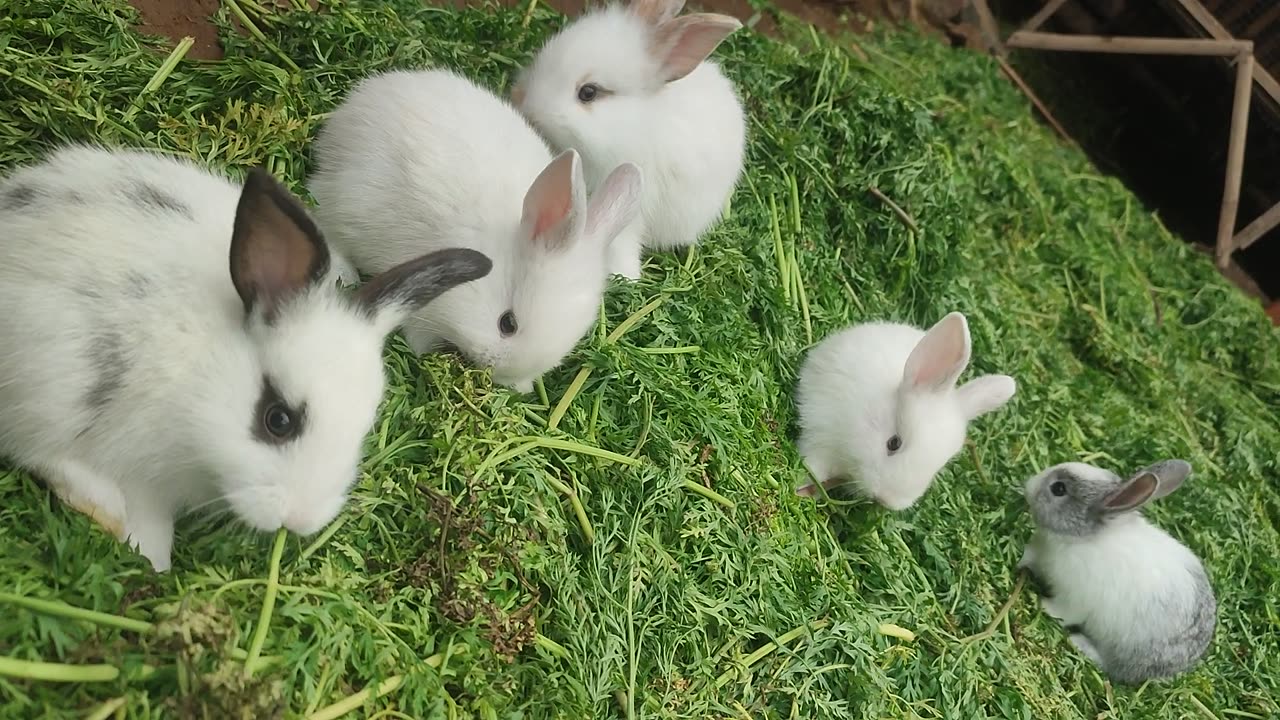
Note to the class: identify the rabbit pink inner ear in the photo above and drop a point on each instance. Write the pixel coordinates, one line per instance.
(554, 200)
(940, 356)
(1131, 494)
(276, 250)
(656, 11)
(681, 44)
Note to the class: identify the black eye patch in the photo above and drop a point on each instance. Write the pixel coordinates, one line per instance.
(274, 421)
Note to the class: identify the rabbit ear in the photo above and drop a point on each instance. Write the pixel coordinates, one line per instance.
(276, 250)
(1169, 474)
(982, 395)
(681, 44)
(615, 202)
(941, 355)
(554, 206)
(1132, 494)
(396, 294)
(656, 11)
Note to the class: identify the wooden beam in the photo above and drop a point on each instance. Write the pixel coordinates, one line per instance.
(1130, 45)
(1045, 13)
(988, 26)
(1265, 223)
(1235, 158)
(1218, 31)
(1262, 21)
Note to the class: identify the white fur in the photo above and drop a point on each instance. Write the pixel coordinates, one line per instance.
(86, 275)
(413, 161)
(853, 396)
(688, 136)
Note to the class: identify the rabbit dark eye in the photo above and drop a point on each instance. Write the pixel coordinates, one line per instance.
(588, 92)
(275, 421)
(1058, 489)
(278, 421)
(507, 324)
(894, 444)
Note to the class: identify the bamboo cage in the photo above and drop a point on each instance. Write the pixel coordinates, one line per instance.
(1245, 34)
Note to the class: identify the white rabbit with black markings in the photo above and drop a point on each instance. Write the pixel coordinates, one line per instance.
(1133, 600)
(879, 407)
(632, 83)
(172, 341)
(412, 161)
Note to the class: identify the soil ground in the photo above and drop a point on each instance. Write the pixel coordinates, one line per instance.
(179, 18)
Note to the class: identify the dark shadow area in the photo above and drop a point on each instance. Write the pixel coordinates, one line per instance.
(1161, 123)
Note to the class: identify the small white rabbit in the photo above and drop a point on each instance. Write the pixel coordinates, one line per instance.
(879, 406)
(1134, 600)
(633, 84)
(413, 161)
(142, 375)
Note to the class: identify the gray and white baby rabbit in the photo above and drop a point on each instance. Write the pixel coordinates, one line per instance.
(415, 161)
(170, 341)
(1134, 600)
(633, 83)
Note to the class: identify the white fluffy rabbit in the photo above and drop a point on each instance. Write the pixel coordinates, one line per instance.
(1133, 600)
(413, 161)
(143, 375)
(633, 84)
(879, 407)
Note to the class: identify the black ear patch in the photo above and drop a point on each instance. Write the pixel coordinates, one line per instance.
(275, 421)
(276, 250)
(417, 282)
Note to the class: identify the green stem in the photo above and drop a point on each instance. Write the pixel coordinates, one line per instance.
(682, 350)
(636, 317)
(578, 510)
(61, 609)
(268, 605)
(354, 702)
(161, 75)
(550, 645)
(562, 407)
(256, 33)
(324, 538)
(778, 250)
(760, 654)
(107, 709)
(708, 493)
(569, 445)
(57, 672)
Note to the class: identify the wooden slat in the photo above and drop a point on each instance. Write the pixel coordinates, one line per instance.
(1265, 19)
(1265, 223)
(1129, 45)
(1232, 13)
(1235, 158)
(1217, 30)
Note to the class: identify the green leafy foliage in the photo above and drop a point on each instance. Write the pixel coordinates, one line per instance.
(490, 576)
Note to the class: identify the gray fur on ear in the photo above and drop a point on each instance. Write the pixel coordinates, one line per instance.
(392, 296)
(1169, 474)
